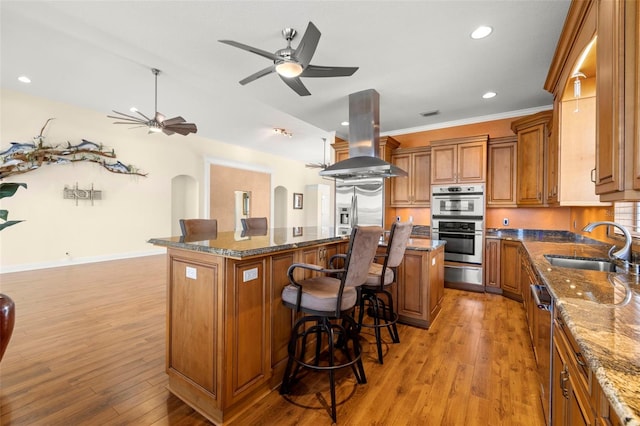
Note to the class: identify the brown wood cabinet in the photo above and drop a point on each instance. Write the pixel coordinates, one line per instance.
(227, 330)
(571, 402)
(618, 100)
(534, 157)
(501, 173)
(459, 160)
(420, 287)
(492, 265)
(510, 266)
(413, 190)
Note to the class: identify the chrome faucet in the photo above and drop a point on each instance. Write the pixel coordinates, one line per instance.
(625, 252)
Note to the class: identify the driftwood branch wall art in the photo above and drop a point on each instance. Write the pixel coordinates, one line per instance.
(25, 157)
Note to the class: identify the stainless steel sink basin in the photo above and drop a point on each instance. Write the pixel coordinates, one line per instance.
(581, 263)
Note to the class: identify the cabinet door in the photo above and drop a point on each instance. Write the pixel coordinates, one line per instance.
(492, 265)
(436, 283)
(193, 309)
(281, 316)
(610, 88)
(413, 303)
(501, 181)
(510, 268)
(421, 177)
(401, 186)
(444, 164)
(530, 165)
(472, 166)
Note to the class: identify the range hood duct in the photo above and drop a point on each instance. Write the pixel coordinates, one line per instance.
(364, 142)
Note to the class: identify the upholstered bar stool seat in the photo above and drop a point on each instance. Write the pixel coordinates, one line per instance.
(327, 301)
(375, 299)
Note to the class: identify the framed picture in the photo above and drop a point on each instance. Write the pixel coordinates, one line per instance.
(297, 231)
(297, 200)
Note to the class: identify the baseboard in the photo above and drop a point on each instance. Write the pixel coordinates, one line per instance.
(79, 261)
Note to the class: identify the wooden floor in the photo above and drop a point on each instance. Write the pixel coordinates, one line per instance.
(88, 349)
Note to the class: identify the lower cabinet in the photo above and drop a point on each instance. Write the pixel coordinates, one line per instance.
(492, 266)
(510, 269)
(420, 287)
(572, 402)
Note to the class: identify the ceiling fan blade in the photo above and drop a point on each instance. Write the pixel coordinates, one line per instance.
(257, 75)
(320, 71)
(167, 131)
(172, 121)
(296, 84)
(147, 118)
(308, 44)
(182, 128)
(251, 49)
(126, 117)
(159, 117)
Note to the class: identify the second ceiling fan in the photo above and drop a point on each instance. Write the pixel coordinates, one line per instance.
(291, 64)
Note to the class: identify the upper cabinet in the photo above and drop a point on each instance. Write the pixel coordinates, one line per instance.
(460, 160)
(413, 190)
(501, 173)
(534, 159)
(594, 80)
(387, 145)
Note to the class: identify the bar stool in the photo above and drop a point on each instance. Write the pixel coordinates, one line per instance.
(375, 299)
(327, 301)
(198, 226)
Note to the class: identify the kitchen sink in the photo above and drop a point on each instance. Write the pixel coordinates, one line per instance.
(581, 263)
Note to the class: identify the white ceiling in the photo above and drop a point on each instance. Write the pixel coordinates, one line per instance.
(417, 54)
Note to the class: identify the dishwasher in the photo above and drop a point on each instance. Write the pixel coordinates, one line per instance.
(542, 323)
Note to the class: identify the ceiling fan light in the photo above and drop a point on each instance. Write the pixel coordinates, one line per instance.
(154, 128)
(289, 69)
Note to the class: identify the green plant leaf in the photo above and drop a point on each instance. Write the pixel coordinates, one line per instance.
(8, 223)
(4, 214)
(7, 189)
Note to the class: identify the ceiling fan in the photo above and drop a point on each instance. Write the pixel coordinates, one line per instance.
(158, 123)
(291, 64)
(324, 163)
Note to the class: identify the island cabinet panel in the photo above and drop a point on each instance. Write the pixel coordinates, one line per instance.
(194, 335)
(281, 317)
(247, 328)
(420, 287)
(193, 325)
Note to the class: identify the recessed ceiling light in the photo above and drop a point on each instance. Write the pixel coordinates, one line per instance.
(24, 79)
(133, 109)
(481, 32)
(345, 123)
(489, 95)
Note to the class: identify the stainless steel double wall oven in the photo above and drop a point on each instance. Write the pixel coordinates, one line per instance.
(457, 216)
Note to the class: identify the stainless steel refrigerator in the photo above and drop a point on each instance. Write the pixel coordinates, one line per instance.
(359, 202)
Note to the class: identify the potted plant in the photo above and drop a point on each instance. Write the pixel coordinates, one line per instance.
(7, 307)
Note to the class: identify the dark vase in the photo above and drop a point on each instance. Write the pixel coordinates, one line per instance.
(7, 320)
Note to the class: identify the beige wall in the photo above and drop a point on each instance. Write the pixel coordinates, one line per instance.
(133, 209)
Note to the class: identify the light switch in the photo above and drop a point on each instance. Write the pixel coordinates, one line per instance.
(192, 273)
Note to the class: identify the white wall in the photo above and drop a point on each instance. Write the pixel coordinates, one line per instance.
(133, 209)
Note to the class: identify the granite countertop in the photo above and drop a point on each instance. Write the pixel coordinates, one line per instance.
(238, 245)
(601, 309)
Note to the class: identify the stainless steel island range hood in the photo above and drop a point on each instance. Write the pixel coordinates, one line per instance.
(364, 142)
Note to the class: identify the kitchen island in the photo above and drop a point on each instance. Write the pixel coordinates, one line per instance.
(227, 330)
(601, 312)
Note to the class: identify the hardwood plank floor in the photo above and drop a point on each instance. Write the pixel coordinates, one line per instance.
(88, 349)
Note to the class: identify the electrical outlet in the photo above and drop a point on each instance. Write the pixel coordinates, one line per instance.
(192, 273)
(505, 221)
(249, 274)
